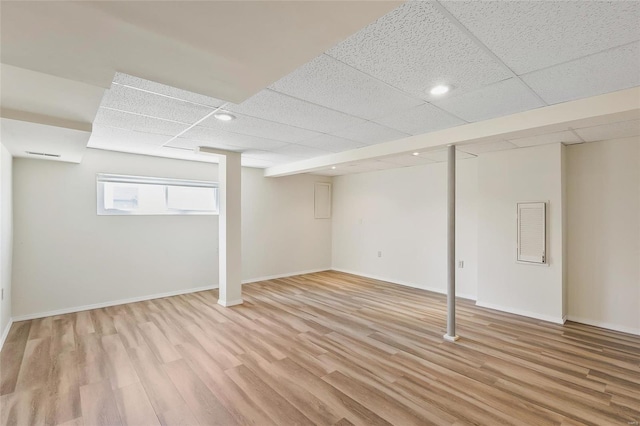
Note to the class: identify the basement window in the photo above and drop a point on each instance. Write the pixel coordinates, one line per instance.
(136, 195)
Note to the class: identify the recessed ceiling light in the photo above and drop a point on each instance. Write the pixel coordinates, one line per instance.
(224, 116)
(440, 89)
(416, 153)
(333, 167)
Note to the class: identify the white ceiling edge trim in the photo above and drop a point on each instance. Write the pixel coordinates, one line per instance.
(603, 109)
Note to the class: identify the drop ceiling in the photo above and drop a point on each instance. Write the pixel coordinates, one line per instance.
(372, 87)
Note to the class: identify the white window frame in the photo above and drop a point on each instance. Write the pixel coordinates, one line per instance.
(102, 178)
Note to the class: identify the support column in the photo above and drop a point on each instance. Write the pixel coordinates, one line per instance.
(230, 237)
(451, 245)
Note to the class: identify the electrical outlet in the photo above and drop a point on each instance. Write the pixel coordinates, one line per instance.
(460, 264)
(379, 254)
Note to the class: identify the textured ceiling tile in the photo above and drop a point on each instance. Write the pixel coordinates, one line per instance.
(131, 100)
(300, 151)
(504, 98)
(161, 89)
(328, 82)
(622, 129)
(332, 143)
(104, 136)
(252, 126)
(548, 138)
(139, 123)
(370, 133)
(213, 136)
(420, 119)
(440, 155)
(414, 48)
(481, 148)
(274, 106)
(604, 72)
(408, 160)
(530, 35)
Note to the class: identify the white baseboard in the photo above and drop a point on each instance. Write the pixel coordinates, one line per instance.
(5, 333)
(111, 303)
(603, 324)
(404, 283)
(289, 274)
(521, 312)
(150, 297)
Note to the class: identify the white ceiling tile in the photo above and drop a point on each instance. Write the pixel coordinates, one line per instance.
(440, 155)
(531, 35)
(414, 48)
(274, 106)
(615, 69)
(408, 160)
(213, 136)
(331, 83)
(420, 119)
(332, 143)
(300, 151)
(136, 101)
(548, 138)
(370, 133)
(104, 136)
(252, 126)
(481, 148)
(619, 130)
(139, 123)
(162, 89)
(503, 98)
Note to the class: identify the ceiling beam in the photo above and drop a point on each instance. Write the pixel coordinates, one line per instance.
(603, 109)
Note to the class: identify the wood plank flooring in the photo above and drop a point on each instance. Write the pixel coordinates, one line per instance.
(326, 348)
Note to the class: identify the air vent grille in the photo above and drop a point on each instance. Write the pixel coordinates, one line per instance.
(42, 154)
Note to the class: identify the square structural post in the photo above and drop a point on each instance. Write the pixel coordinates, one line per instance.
(230, 237)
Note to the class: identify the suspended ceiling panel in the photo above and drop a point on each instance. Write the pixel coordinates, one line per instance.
(414, 48)
(372, 88)
(603, 72)
(225, 49)
(530, 35)
(331, 83)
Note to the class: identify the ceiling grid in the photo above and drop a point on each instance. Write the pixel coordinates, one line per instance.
(373, 87)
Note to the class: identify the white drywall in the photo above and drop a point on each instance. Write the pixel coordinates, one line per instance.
(402, 213)
(65, 256)
(6, 237)
(604, 234)
(504, 179)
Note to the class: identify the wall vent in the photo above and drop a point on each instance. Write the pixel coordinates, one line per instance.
(42, 154)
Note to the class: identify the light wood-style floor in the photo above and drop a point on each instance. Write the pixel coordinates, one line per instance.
(326, 348)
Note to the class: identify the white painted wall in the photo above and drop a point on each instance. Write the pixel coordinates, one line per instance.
(506, 178)
(402, 213)
(604, 234)
(279, 231)
(66, 256)
(6, 239)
